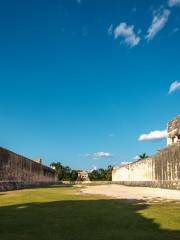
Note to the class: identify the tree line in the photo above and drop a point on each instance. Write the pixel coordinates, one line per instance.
(65, 173)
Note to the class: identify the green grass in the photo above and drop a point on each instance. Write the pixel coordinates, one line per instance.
(58, 213)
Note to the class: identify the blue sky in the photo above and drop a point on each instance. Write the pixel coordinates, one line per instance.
(81, 81)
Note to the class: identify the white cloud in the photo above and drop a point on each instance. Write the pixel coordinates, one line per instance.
(154, 135)
(174, 87)
(125, 163)
(99, 155)
(127, 33)
(173, 3)
(159, 21)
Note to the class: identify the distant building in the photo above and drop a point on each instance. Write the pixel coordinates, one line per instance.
(173, 131)
(82, 176)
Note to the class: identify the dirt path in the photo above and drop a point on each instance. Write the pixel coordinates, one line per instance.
(134, 193)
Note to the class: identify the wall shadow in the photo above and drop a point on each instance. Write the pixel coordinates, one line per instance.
(80, 220)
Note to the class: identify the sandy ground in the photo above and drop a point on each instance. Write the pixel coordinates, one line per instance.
(134, 193)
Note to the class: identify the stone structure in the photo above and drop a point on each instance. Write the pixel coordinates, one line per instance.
(19, 172)
(140, 170)
(173, 131)
(160, 170)
(82, 176)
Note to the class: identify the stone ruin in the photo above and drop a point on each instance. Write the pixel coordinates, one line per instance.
(17, 172)
(173, 131)
(82, 176)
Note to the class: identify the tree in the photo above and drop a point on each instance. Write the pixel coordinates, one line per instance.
(64, 172)
(101, 174)
(143, 156)
(109, 173)
(59, 169)
(56, 165)
(93, 176)
(74, 175)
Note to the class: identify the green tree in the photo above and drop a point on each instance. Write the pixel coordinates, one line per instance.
(143, 156)
(102, 174)
(109, 173)
(74, 175)
(59, 169)
(65, 173)
(94, 175)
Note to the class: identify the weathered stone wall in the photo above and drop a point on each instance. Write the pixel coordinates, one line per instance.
(167, 164)
(140, 170)
(162, 170)
(18, 171)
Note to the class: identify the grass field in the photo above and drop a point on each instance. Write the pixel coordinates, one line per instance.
(59, 213)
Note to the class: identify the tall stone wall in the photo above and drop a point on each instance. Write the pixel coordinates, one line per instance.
(162, 170)
(167, 164)
(17, 171)
(141, 170)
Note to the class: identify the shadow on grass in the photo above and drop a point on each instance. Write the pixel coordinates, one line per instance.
(80, 220)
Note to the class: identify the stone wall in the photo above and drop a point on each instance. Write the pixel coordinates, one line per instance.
(161, 170)
(17, 171)
(141, 170)
(167, 164)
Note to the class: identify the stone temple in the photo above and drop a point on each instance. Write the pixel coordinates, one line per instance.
(173, 131)
(161, 170)
(82, 176)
